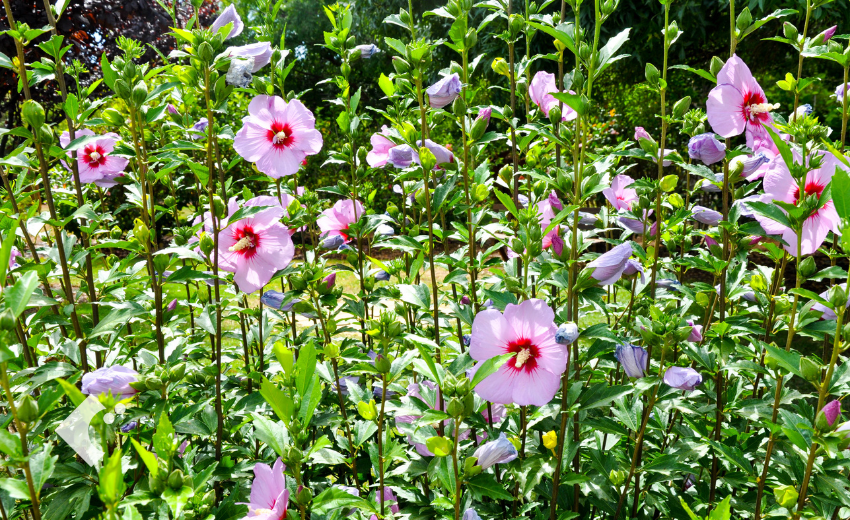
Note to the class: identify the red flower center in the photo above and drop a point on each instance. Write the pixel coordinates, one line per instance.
(750, 99)
(280, 135)
(812, 188)
(526, 355)
(247, 242)
(93, 155)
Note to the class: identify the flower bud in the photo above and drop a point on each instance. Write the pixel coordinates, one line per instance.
(459, 106)
(45, 135)
(652, 74)
(500, 66)
(617, 477)
(470, 39)
(33, 114)
(141, 232)
(427, 159)
(550, 440)
(566, 334)
(207, 243)
(515, 25)
(479, 126)
(681, 107)
(790, 31)
(715, 65)
(786, 496)
(455, 407)
(584, 51)
(810, 369)
(555, 115)
(668, 183)
(177, 372)
(28, 409)
(113, 117)
(122, 89)
(140, 93)
(559, 46)
(205, 52)
(156, 485)
(383, 364)
(808, 267)
(837, 297)
(175, 479)
(400, 65)
(153, 383)
(827, 419)
(744, 20)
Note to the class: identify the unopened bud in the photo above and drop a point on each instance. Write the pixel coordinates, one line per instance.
(33, 114)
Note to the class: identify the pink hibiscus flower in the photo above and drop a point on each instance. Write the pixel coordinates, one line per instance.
(780, 186)
(543, 85)
(547, 209)
(94, 163)
(335, 221)
(533, 374)
(277, 135)
(255, 248)
(381, 147)
(738, 104)
(619, 194)
(269, 496)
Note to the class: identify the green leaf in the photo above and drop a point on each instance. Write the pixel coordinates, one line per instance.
(505, 199)
(163, 439)
(841, 192)
(245, 212)
(770, 211)
(423, 344)
(6, 251)
(111, 486)
(574, 101)
(790, 361)
(177, 500)
(147, 457)
(386, 85)
(42, 464)
(81, 142)
(114, 322)
(485, 485)
(16, 487)
(441, 192)
(272, 434)
(109, 74)
(418, 295)
(282, 405)
(335, 499)
(601, 394)
(699, 72)
(305, 367)
(722, 511)
(18, 296)
(489, 367)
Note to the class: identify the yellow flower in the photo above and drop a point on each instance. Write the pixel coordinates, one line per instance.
(550, 439)
(500, 66)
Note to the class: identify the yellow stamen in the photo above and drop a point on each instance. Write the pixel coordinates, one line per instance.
(521, 357)
(280, 137)
(95, 156)
(243, 243)
(763, 108)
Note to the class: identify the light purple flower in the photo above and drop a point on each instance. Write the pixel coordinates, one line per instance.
(172, 110)
(402, 156)
(485, 113)
(115, 379)
(682, 378)
(382, 276)
(706, 216)
(633, 267)
(825, 36)
(172, 305)
(277, 135)
(13, 262)
(94, 162)
(542, 86)
(330, 281)
(619, 194)
(566, 334)
(441, 153)
(182, 449)
(738, 104)
(839, 92)
(609, 267)
(199, 129)
(348, 489)
(464, 300)
(500, 451)
(696, 332)
(641, 133)
(779, 185)
(367, 50)
(269, 497)
(827, 417)
(389, 499)
(669, 284)
(634, 359)
(706, 148)
(470, 514)
(444, 91)
(260, 52)
(130, 426)
(752, 165)
(381, 146)
(227, 16)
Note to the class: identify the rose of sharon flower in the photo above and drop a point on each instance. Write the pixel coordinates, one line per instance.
(828, 314)
(255, 248)
(542, 87)
(444, 91)
(696, 332)
(260, 52)
(500, 451)
(682, 378)
(532, 375)
(94, 163)
(269, 496)
(780, 186)
(335, 221)
(706, 148)
(609, 267)
(381, 146)
(633, 359)
(13, 258)
(839, 92)
(546, 211)
(227, 16)
(277, 135)
(827, 418)
(390, 500)
(738, 104)
(706, 216)
(115, 379)
(619, 194)
(367, 50)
